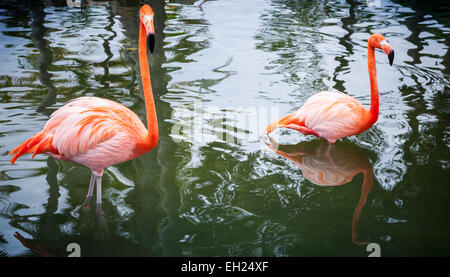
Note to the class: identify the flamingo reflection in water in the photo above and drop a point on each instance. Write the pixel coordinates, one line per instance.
(89, 247)
(331, 165)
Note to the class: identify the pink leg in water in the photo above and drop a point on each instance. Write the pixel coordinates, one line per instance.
(99, 194)
(90, 192)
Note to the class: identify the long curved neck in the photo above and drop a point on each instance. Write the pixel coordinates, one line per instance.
(374, 101)
(151, 140)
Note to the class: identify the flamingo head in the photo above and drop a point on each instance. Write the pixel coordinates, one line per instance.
(378, 41)
(146, 16)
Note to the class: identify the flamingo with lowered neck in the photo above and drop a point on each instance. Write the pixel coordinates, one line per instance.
(332, 115)
(97, 132)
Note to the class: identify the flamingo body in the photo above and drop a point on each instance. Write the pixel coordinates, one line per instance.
(91, 131)
(332, 115)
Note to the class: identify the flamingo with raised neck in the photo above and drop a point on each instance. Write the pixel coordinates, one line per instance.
(97, 132)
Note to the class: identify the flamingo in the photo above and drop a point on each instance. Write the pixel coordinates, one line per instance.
(97, 132)
(332, 115)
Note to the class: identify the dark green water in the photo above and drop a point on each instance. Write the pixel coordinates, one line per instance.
(221, 70)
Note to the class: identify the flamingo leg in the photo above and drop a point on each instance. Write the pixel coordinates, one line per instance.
(327, 152)
(99, 194)
(90, 192)
(91, 186)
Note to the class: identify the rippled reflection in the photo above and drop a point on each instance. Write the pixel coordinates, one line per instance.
(332, 165)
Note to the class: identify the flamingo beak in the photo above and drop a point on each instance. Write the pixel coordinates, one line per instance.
(388, 50)
(391, 57)
(147, 20)
(151, 42)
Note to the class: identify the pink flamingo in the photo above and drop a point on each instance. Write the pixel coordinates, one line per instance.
(97, 132)
(332, 115)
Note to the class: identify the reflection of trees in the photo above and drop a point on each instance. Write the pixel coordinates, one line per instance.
(347, 43)
(38, 32)
(291, 30)
(21, 12)
(16, 14)
(427, 144)
(439, 11)
(427, 138)
(183, 33)
(107, 48)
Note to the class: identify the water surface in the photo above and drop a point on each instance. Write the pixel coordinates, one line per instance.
(221, 70)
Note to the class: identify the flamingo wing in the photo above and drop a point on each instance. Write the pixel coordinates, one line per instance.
(332, 115)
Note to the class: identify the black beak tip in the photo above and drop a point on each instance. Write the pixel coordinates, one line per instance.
(391, 57)
(151, 42)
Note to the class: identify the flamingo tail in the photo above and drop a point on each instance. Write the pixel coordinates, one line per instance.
(39, 143)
